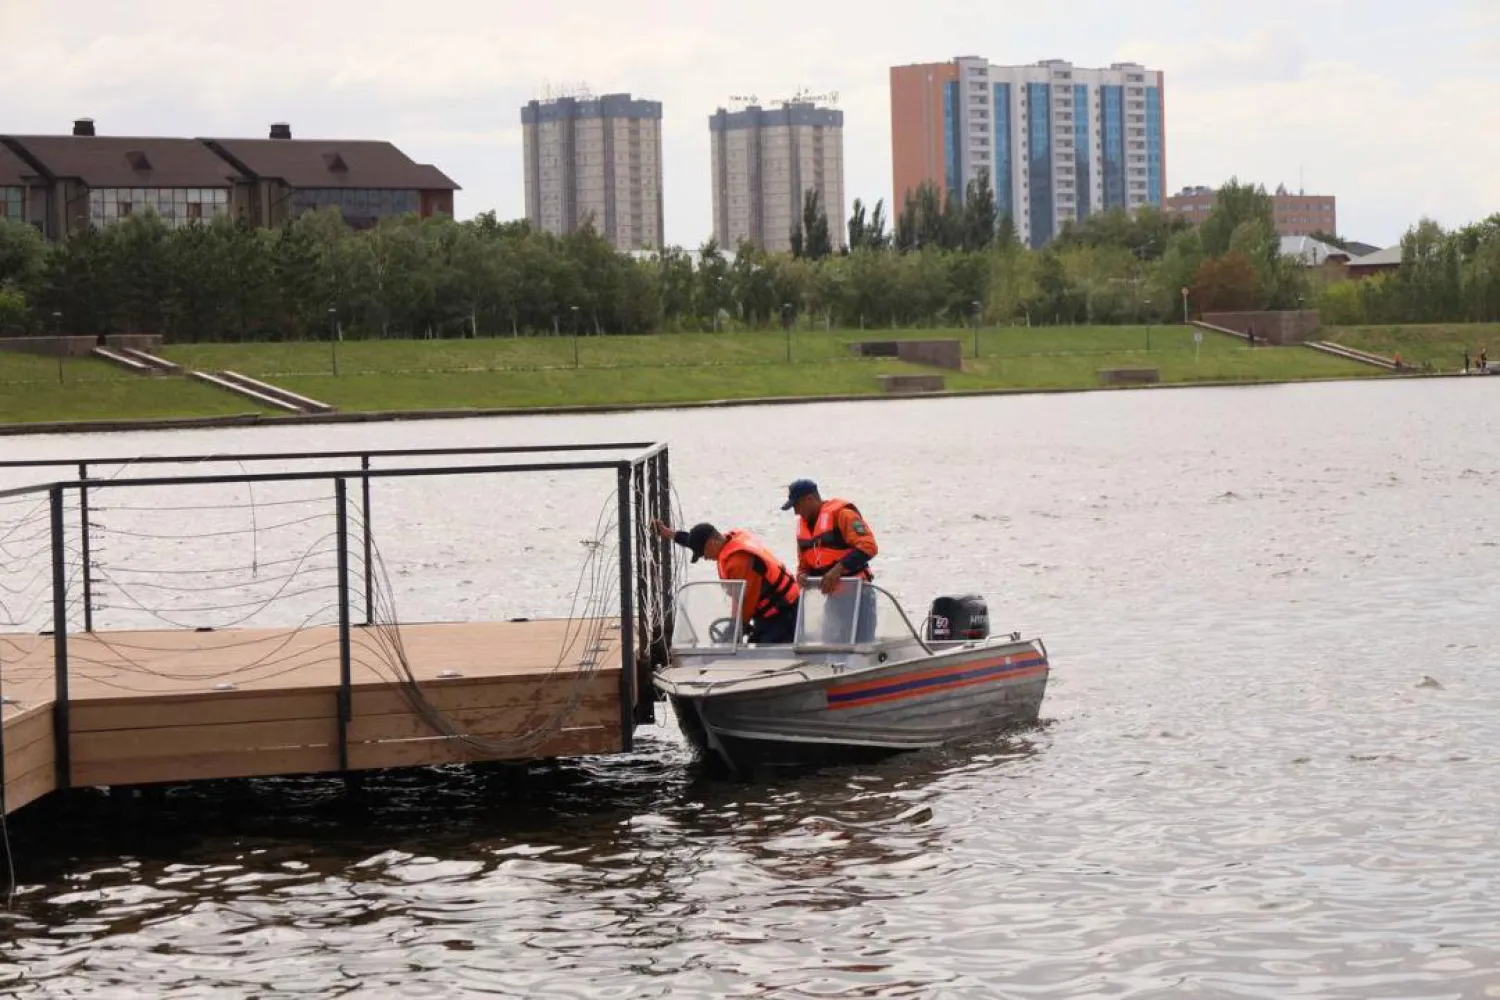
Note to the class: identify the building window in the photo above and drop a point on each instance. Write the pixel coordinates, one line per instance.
(12, 202)
(360, 207)
(177, 207)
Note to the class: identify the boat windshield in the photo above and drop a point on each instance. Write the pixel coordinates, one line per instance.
(706, 616)
(854, 613)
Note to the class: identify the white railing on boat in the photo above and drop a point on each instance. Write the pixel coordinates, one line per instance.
(857, 614)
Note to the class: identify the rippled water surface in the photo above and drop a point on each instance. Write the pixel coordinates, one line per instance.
(1268, 768)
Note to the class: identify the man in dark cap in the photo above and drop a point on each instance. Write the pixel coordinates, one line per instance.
(833, 541)
(768, 608)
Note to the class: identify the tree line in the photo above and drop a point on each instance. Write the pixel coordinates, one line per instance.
(944, 261)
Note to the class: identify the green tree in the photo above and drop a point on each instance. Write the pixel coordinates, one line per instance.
(15, 317)
(1227, 284)
(676, 284)
(1235, 205)
(980, 214)
(715, 290)
(23, 257)
(1054, 300)
(867, 233)
(929, 220)
(812, 239)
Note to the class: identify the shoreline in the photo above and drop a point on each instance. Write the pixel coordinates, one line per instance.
(373, 416)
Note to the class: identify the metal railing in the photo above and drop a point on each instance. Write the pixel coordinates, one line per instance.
(643, 486)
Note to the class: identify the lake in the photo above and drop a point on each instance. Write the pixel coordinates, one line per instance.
(1268, 765)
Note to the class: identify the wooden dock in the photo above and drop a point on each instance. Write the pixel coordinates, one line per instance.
(179, 705)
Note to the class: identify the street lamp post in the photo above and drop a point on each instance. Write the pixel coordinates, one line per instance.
(57, 333)
(977, 307)
(1148, 324)
(575, 335)
(786, 322)
(333, 337)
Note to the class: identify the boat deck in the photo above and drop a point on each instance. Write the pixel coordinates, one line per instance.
(180, 705)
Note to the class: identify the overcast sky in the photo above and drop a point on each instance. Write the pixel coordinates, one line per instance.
(1391, 105)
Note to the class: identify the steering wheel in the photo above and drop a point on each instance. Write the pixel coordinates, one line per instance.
(721, 631)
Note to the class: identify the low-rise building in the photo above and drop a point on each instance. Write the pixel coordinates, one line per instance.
(16, 186)
(366, 180)
(1293, 214)
(84, 179)
(71, 182)
(1313, 253)
(1379, 262)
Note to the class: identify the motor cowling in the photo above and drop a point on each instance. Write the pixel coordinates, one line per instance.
(958, 618)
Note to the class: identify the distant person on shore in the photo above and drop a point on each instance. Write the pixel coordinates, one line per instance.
(1466, 362)
(768, 608)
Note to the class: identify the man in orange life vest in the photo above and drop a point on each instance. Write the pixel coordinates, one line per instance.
(769, 604)
(833, 542)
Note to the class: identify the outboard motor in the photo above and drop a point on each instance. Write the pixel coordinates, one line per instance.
(958, 618)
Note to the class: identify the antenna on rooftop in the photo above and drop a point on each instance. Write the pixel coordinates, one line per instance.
(805, 96)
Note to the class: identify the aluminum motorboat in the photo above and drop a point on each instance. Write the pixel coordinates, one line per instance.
(858, 681)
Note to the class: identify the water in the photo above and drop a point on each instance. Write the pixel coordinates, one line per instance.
(1268, 766)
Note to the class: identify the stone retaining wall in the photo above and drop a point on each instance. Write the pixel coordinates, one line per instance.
(936, 353)
(1287, 326)
(1128, 376)
(77, 347)
(913, 383)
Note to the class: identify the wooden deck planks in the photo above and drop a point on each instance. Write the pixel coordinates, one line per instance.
(147, 706)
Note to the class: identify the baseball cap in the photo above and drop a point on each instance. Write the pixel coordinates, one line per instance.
(798, 490)
(698, 537)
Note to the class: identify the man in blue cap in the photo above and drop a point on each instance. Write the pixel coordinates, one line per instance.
(833, 542)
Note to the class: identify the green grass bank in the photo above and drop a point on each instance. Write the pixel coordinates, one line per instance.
(620, 371)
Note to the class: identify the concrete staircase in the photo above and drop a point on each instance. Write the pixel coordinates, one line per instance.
(1354, 354)
(263, 393)
(1326, 347)
(136, 361)
(1211, 328)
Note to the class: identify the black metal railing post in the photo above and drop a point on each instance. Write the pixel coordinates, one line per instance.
(665, 557)
(642, 545)
(341, 519)
(61, 734)
(627, 611)
(4, 803)
(364, 489)
(88, 569)
(645, 707)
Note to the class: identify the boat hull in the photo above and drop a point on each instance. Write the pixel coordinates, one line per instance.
(869, 713)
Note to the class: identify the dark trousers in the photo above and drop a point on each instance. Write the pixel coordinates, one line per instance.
(776, 630)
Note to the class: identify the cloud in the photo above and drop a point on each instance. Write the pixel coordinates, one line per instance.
(1389, 151)
(1266, 54)
(1345, 89)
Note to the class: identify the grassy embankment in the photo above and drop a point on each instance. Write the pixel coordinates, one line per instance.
(90, 389)
(686, 367)
(663, 368)
(1442, 345)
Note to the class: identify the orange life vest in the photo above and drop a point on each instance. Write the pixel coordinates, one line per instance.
(823, 544)
(778, 588)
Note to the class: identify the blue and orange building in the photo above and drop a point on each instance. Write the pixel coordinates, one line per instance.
(1059, 142)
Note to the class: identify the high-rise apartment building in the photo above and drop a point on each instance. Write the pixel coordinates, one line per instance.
(764, 161)
(1297, 214)
(1060, 142)
(596, 158)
